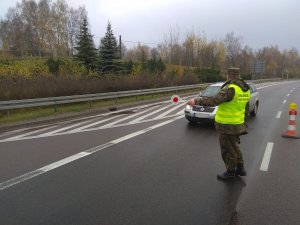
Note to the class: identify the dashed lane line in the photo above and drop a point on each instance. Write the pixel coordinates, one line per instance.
(278, 114)
(267, 156)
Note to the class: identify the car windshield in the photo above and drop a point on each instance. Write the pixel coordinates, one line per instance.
(211, 91)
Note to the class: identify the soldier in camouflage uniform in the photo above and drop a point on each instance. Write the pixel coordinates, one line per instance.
(233, 101)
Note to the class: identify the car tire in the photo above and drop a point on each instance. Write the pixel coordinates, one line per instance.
(253, 113)
(191, 120)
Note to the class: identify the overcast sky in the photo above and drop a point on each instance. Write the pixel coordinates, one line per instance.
(260, 22)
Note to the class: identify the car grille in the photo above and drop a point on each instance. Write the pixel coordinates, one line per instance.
(203, 109)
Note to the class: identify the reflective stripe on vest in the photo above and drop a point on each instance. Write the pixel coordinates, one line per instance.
(233, 112)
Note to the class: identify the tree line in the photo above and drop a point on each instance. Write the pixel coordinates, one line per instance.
(197, 51)
(46, 29)
(40, 29)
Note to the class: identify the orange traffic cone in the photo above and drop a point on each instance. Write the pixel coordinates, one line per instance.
(291, 130)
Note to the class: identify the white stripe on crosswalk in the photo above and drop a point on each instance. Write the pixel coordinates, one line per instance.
(126, 118)
(93, 124)
(169, 111)
(147, 115)
(29, 133)
(9, 133)
(65, 128)
(90, 125)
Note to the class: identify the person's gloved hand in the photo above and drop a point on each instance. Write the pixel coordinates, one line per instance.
(191, 102)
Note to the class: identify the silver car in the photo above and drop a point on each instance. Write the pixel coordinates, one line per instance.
(198, 113)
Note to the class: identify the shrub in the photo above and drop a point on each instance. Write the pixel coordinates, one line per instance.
(53, 65)
(208, 75)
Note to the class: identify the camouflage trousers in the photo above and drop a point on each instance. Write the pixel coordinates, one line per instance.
(230, 150)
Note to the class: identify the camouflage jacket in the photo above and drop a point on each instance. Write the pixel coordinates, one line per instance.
(226, 94)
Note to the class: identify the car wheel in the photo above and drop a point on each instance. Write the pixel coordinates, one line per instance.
(191, 121)
(254, 111)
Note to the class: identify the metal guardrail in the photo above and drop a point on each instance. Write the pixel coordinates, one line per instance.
(55, 101)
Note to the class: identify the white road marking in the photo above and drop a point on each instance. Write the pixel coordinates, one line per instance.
(13, 132)
(267, 156)
(270, 85)
(28, 133)
(284, 101)
(168, 111)
(55, 165)
(278, 114)
(93, 124)
(149, 114)
(180, 112)
(288, 95)
(64, 128)
(91, 129)
(125, 118)
(40, 171)
(64, 161)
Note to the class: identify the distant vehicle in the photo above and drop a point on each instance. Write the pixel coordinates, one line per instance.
(199, 113)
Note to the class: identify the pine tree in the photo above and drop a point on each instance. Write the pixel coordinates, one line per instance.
(86, 52)
(108, 51)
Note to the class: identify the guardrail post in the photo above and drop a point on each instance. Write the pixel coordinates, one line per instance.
(7, 113)
(90, 104)
(55, 107)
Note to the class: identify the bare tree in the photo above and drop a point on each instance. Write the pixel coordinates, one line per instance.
(14, 29)
(189, 48)
(139, 53)
(272, 58)
(44, 29)
(60, 20)
(40, 28)
(154, 53)
(246, 58)
(75, 18)
(233, 46)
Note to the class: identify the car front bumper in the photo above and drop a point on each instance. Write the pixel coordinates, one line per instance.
(195, 113)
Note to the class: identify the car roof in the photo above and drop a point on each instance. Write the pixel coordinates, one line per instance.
(219, 84)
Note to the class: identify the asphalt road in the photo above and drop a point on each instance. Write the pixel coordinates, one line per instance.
(147, 165)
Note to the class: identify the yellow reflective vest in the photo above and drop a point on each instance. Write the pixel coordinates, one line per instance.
(233, 112)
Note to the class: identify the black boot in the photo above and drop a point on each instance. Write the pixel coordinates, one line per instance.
(227, 175)
(240, 170)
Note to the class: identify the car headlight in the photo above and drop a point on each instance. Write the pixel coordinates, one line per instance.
(188, 108)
